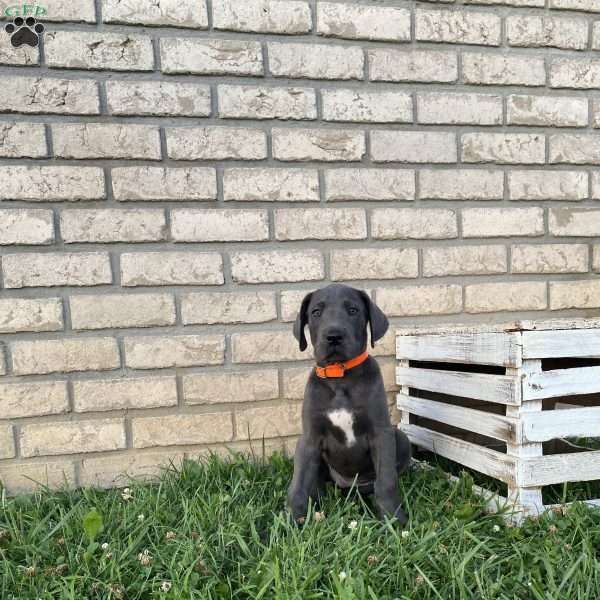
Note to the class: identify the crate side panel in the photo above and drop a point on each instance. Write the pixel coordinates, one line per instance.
(581, 343)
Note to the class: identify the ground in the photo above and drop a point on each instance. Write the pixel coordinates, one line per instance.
(217, 530)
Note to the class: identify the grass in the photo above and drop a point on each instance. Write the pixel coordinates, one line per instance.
(217, 530)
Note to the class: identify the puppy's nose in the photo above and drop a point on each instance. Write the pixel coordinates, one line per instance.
(334, 336)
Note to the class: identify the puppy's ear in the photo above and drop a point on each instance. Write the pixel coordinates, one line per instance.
(301, 321)
(378, 322)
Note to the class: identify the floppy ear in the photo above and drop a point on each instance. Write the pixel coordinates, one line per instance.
(378, 322)
(301, 321)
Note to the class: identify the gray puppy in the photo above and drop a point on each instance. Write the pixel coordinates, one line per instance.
(347, 434)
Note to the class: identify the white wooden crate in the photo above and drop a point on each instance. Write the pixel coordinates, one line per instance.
(500, 398)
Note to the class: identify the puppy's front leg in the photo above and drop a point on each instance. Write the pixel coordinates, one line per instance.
(383, 451)
(305, 483)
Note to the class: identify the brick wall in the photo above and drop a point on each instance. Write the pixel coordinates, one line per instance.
(177, 174)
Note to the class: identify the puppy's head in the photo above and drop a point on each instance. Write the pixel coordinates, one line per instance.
(337, 317)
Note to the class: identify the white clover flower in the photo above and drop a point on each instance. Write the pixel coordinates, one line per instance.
(353, 525)
(342, 575)
(145, 558)
(141, 518)
(319, 516)
(405, 534)
(126, 494)
(104, 546)
(166, 586)
(496, 528)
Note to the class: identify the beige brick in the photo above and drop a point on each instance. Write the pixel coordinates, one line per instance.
(367, 107)
(118, 470)
(240, 386)
(7, 442)
(265, 346)
(502, 222)
(461, 184)
(464, 260)
(49, 439)
(122, 310)
(588, 5)
(98, 50)
(420, 300)
(595, 113)
(262, 16)
(64, 356)
(595, 185)
(164, 98)
(508, 296)
(413, 223)
(596, 36)
(176, 13)
(574, 149)
(546, 31)
(250, 102)
(370, 184)
(457, 27)
(373, 263)
(388, 373)
(106, 140)
(549, 258)
(547, 185)
(318, 144)
(155, 352)
(23, 55)
(294, 382)
(29, 314)
(413, 146)
(56, 269)
(538, 3)
(2, 361)
(290, 303)
(574, 222)
(456, 109)
(596, 258)
(182, 430)
(503, 148)
(25, 478)
(358, 22)
(159, 183)
(503, 69)
(48, 184)
(216, 143)
(39, 95)
(112, 225)
(315, 61)
(218, 225)
(207, 308)
(320, 224)
(33, 399)
(210, 57)
(547, 111)
(271, 266)
(386, 64)
(97, 395)
(579, 73)
(22, 140)
(26, 226)
(574, 294)
(272, 421)
(171, 268)
(65, 10)
(271, 185)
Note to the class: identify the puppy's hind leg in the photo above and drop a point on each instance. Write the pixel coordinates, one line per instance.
(403, 451)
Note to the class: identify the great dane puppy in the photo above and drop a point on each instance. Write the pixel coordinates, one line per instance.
(347, 436)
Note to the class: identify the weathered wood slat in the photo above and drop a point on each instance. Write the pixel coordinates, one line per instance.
(583, 343)
(552, 424)
(501, 349)
(562, 382)
(488, 424)
(484, 460)
(491, 388)
(558, 468)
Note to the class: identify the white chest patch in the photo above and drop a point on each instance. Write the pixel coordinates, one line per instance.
(343, 419)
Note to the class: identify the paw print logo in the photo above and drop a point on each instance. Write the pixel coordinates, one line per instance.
(24, 31)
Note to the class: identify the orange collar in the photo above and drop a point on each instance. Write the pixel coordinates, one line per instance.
(338, 370)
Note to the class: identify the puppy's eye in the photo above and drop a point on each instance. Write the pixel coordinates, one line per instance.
(316, 312)
(352, 310)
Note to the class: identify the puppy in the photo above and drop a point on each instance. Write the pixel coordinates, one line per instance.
(347, 436)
